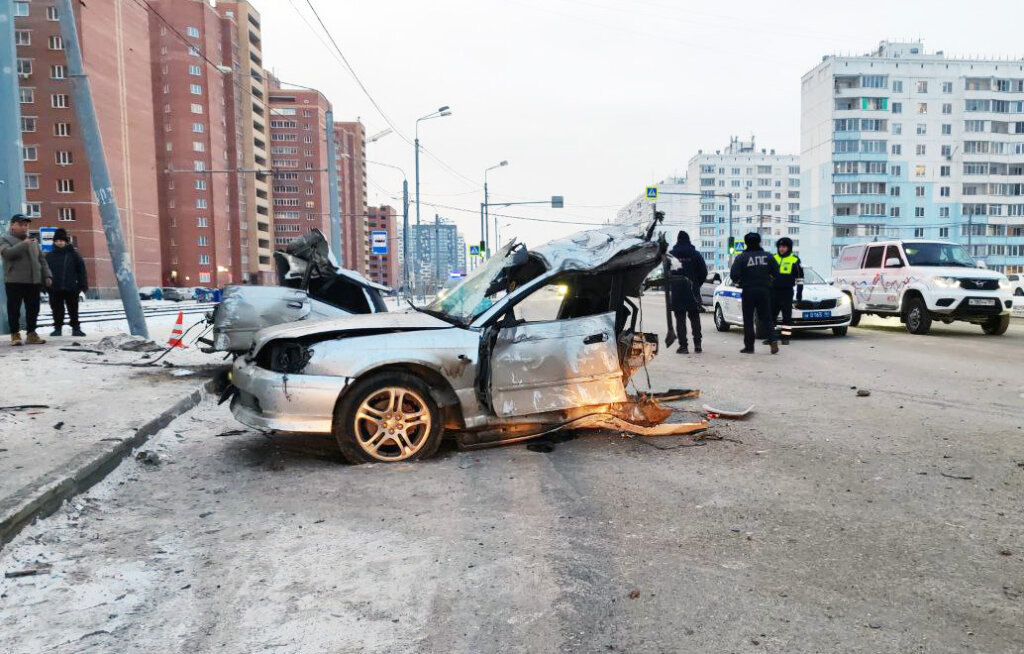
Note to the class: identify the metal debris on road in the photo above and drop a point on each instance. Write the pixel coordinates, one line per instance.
(712, 412)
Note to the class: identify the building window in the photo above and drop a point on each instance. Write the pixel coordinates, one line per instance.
(199, 166)
(27, 96)
(919, 232)
(896, 171)
(946, 150)
(197, 108)
(918, 212)
(30, 153)
(943, 232)
(65, 186)
(192, 31)
(28, 124)
(894, 191)
(203, 241)
(944, 191)
(55, 43)
(204, 278)
(200, 203)
(64, 158)
(195, 89)
(897, 107)
(922, 129)
(51, 14)
(894, 212)
(59, 101)
(947, 87)
(922, 86)
(22, 37)
(920, 149)
(897, 86)
(198, 146)
(193, 69)
(24, 67)
(897, 129)
(33, 210)
(62, 129)
(31, 181)
(919, 191)
(65, 214)
(200, 185)
(193, 51)
(21, 8)
(919, 170)
(947, 129)
(944, 171)
(202, 221)
(897, 148)
(947, 108)
(922, 108)
(57, 71)
(197, 128)
(204, 259)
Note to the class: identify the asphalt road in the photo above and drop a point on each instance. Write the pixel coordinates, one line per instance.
(826, 522)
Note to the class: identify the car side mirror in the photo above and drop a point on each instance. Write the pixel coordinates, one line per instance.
(982, 264)
(893, 262)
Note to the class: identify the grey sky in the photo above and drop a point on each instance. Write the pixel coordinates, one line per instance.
(591, 99)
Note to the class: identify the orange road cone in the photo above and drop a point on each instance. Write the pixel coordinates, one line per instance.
(175, 340)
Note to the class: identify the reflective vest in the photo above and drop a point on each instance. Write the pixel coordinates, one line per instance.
(786, 263)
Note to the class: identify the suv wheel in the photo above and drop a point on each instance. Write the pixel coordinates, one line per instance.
(1019, 292)
(916, 316)
(996, 325)
(720, 323)
(840, 331)
(387, 418)
(854, 314)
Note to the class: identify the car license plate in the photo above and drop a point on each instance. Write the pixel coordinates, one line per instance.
(811, 315)
(980, 302)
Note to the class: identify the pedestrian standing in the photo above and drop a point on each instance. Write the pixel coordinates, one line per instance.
(686, 282)
(69, 279)
(791, 275)
(25, 274)
(754, 271)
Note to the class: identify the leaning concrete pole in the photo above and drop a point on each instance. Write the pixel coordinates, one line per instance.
(12, 169)
(332, 193)
(86, 114)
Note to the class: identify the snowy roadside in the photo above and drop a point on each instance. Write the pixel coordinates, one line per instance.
(71, 398)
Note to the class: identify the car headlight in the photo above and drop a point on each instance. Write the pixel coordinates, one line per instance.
(1004, 284)
(945, 282)
(844, 299)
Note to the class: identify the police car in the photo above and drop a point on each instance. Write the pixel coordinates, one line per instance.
(822, 306)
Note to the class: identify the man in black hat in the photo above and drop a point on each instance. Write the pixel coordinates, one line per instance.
(69, 279)
(686, 282)
(25, 274)
(754, 271)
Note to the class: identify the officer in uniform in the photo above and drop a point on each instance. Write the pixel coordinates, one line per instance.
(754, 271)
(791, 274)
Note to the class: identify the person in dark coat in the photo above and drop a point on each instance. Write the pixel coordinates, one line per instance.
(754, 271)
(686, 282)
(69, 279)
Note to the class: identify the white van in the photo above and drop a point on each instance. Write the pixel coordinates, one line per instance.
(921, 281)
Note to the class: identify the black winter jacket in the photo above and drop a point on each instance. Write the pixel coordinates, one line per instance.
(687, 280)
(68, 269)
(754, 269)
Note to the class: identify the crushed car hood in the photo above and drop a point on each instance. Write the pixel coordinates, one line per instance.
(394, 320)
(599, 249)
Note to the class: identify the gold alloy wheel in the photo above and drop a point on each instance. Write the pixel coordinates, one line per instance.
(392, 423)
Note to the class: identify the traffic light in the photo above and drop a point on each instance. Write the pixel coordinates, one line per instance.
(732, 245)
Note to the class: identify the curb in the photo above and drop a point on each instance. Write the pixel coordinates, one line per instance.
(45, 495)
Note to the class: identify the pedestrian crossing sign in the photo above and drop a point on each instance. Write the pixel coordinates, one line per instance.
(652, 192)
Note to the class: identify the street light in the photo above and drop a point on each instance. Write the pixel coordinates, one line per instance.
(440, 113)
(485, 214)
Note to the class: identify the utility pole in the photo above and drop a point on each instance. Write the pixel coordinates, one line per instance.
(405, 236)
(487, 219)
(12, 169)
(99, 175)
(728, 254)
(437, 253)
(332, 185)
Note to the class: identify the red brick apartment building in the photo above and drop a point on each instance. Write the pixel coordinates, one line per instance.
(298, 155)
(114, 35)
(350, 153)
(387, 268)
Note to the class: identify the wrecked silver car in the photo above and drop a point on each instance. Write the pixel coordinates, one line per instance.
(312, 287)
(533, 341)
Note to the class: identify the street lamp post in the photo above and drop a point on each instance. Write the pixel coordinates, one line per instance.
(405, 223)
(441, 112)
(485, 217)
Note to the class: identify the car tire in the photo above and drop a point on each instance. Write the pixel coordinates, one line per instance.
(840, 331)
(1019, 292)
(854, 314)
(996, 325)
(720, 323)
(371, 405)
(916, 316)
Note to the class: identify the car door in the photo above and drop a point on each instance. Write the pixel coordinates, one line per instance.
(887, 292)
(541, 363)
(707, 290)
(871, 276)
(731, 299)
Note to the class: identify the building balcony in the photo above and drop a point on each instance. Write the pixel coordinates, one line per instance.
(860, 198)
(860, 156)
(862, 177)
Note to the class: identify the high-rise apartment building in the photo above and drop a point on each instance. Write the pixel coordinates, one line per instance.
(115, 41)
(257, 226)
(298, 152)
(901, 143)
(350, 153)
(384, 268)
(437, 245)
(199, 219)
(765, 197)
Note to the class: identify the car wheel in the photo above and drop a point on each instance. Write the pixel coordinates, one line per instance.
(1019, 292)
(996, 325)
(840, 331)
(387, 418)
(916, 317)
(854, 314)
(720, 323)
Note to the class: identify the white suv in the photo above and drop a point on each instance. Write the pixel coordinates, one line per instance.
(1016, 283)
(921, 281)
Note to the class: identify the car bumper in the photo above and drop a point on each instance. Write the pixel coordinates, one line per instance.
(960, 305)
(840, 318)
(285, 402)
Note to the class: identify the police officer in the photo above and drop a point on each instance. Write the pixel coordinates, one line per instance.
(686, 282)
(791, 274)
(754, 271)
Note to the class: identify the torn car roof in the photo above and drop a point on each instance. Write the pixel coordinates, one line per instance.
(600, 249)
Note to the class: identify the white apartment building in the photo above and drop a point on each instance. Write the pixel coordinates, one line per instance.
(900, 143)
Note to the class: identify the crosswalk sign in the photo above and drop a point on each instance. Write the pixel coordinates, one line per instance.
(652, 192)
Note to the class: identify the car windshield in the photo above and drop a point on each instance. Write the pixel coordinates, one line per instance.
(937, 254)
(474, 295)
(812, 277)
